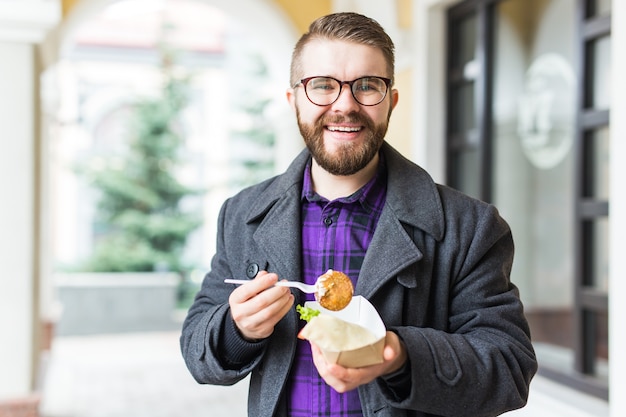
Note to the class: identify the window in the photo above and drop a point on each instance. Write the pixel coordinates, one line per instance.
(592, 198)
(528, 128)
(467, 103)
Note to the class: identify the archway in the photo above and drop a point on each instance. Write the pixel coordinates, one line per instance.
(275, 40)
(269, 34)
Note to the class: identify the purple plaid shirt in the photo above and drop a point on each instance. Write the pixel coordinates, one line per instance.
(335, 235)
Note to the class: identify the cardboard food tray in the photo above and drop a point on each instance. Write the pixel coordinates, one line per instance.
(360, 311)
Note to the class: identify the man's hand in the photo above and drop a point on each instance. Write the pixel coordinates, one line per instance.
(346, 379)
(257, 306)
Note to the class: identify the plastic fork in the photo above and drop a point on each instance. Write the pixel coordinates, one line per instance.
(306, 288)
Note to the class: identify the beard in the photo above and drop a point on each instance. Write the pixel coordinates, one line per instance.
(349, 158)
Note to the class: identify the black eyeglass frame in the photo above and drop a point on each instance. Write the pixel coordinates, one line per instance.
(305, 81)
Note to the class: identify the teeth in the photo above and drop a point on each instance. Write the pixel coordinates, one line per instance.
(343, 129)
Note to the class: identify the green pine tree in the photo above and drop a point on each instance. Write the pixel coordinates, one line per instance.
(140, 223)
(254, 140)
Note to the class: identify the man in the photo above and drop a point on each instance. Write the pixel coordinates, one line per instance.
(434, 262)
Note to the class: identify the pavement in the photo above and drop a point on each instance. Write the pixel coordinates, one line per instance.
(143, 375)
(130, 375)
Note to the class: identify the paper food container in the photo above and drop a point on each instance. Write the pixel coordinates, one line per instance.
(360, 311)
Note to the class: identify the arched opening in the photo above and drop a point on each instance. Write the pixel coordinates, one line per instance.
(107, 58)
(104, 58)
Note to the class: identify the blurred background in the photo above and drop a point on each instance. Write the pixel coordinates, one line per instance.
(127, 123)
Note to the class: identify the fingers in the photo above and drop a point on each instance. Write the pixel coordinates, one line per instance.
(257, 306)
(340, 378)
(331, 373)
(264, 280)
(394, 353)
(345, 379)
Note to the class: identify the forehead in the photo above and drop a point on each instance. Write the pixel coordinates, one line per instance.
(342, 60)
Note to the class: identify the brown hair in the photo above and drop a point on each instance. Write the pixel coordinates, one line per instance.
(347, 26)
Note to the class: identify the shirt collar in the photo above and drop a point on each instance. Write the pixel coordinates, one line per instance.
(370, 196)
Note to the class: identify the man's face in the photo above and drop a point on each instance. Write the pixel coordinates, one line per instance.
(345, 136)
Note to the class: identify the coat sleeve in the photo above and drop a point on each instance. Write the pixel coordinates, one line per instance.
(481, 362)
(213, 352)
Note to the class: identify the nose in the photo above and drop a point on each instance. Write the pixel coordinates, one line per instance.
(345, 101)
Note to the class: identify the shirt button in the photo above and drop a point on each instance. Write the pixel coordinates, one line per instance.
(328, 221)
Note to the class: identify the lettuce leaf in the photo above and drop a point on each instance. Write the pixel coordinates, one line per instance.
(307, 313)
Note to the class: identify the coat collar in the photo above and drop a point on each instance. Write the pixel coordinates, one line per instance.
(412, 194)
(404, 178)
(282, 187)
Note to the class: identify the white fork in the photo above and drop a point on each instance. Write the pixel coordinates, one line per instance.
(306, 288)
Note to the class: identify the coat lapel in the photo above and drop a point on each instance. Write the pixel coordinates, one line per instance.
(412, 202)
(278, 213)
(278, 237)
(390, 251)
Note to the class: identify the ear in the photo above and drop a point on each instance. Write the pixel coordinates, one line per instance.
(291, 97)
(394, 98)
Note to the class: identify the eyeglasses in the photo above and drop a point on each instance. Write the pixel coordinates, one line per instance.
(324, 91)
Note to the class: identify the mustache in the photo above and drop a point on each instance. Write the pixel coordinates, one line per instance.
(353, 118)
(350, 118)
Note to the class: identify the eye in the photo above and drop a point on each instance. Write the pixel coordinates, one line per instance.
(362, 85)
(369, 85)
(322, 84)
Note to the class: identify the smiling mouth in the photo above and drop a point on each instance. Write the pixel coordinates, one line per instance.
(347, 129)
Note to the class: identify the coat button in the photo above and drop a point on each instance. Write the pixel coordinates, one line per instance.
(252, 270)
(328, 221)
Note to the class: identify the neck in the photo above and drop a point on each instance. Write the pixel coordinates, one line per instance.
(332, 186)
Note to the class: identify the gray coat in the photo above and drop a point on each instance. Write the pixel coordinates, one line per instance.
(437, 270)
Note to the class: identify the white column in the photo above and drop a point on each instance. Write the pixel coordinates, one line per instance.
(22, 24)
(617, 215)
(16, 217)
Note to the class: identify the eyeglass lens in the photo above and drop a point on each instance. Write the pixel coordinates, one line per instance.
(368, 91)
